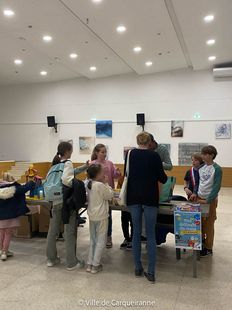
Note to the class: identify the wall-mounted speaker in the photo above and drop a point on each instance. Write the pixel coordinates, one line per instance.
(51, 121)
(140, 119)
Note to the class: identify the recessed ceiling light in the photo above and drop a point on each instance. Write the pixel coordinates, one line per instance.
(18, 61)
(210, 42)
(93, 68)
(8, 13)
(137, 49)
(43, 73)
(97, 1)
(212, 58)
(121, 29)
(209, 18)
(149, 63)
(73, 55)
(47, 38)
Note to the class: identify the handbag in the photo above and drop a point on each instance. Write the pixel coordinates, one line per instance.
(123, 191)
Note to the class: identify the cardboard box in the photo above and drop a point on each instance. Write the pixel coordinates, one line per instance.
(44, 219)
(29, 225)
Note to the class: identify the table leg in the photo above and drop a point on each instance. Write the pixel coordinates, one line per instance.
(195, 264)
(178, 254)
(198, 255)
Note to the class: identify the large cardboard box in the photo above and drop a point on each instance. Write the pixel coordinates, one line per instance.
(29, 225)
(44, 219)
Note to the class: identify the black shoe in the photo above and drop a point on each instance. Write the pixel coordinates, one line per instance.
(138, 273)
(205, 252)
(143, 239)
(150, 277)
(124, 245)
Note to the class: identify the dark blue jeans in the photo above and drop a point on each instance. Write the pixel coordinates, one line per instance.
(150, 215)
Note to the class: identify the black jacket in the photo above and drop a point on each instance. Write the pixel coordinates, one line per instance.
(74, 198)
(12, 199)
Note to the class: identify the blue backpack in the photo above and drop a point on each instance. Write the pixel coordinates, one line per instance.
(53, 183)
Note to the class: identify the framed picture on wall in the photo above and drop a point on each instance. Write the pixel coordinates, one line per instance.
(86, 145)
(186, 150)
(104, 129)
(126, 149)
(223, 131)
(177, 128)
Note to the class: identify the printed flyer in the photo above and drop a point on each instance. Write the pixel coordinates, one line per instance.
(187, 227)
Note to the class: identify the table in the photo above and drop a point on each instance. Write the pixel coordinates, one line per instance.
(164, 208)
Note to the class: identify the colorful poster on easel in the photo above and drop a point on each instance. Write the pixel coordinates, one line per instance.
(187, 228)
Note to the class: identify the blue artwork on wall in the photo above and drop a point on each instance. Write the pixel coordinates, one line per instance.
(104, 129)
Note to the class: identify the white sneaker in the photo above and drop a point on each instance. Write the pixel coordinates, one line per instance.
(79, 265)
(89, 268)
(3, 256)
(51, 263)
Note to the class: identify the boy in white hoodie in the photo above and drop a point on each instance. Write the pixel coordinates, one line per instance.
(99, 194)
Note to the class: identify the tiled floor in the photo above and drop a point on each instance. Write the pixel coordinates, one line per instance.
(26, 283)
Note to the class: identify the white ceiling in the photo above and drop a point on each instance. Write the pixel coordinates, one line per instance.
(172, 35)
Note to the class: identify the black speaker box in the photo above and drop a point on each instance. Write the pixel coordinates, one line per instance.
(141, 119)
(51, 121)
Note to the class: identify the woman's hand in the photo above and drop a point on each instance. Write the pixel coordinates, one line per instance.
(202, 201)
(193, 197)
(87, 163)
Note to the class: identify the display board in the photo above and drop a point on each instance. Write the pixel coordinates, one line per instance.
(187, 227)
(186, 150)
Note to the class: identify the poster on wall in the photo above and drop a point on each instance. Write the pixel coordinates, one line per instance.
(186, 150)
(177, 129)
(187, 227)
(104, 129)
(66, 140)
(86, 145)
(223, 131)
(126, 149)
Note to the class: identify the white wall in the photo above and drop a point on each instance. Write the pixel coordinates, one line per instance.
(162, 97)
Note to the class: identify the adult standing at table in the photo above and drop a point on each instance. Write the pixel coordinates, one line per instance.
(145, 171)
(163, 152)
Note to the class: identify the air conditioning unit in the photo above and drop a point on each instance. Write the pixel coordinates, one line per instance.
(222, 72)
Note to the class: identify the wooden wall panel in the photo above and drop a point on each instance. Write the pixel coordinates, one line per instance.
(5, 166)
(177, 171)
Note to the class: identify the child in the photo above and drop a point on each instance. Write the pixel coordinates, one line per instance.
(99, 194)
(99, 157)
(64, 153)
(12, 205)
(209, 186)
(191, 179)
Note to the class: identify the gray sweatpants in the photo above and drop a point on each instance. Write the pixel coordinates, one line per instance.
(70, 235)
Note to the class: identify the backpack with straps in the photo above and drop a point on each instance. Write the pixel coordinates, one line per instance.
(53, 183)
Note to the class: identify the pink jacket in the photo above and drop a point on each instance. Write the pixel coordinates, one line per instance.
(109, 170)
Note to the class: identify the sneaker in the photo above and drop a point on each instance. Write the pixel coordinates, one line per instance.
(10, 254)
(150, 277)
(123, 245)
(138, 273)
(79, 265)
(205, 252)
(51, 263)
(109, 243)
(129, 246)
(89, 268)
(3, 256)
(96, 269)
